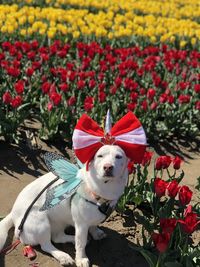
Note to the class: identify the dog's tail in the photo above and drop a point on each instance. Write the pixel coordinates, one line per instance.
(5, 226)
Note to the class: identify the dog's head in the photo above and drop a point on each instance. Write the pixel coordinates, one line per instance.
(110, 162)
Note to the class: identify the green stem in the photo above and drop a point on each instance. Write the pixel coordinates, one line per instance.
(159, 260)
(185, 249)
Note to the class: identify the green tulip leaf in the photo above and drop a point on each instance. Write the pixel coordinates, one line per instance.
(149, 257)
(173, 264)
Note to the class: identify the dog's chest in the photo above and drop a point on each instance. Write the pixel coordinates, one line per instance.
(84, 210)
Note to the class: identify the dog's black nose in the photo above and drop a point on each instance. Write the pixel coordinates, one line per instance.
(108, 168)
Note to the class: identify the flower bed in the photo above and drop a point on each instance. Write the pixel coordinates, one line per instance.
(144, 21)
(167, 217)
(57, 83)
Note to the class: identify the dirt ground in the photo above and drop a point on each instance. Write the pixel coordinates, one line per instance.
(21, 164)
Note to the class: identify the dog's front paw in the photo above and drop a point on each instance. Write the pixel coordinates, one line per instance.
(64, 259)
(84, 262)
(97, 233)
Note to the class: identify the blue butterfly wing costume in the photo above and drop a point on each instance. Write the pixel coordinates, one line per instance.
(66, 171)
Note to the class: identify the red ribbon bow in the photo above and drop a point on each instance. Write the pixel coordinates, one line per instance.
(127, 133)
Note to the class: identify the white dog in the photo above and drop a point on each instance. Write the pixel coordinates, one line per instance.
(102, 184)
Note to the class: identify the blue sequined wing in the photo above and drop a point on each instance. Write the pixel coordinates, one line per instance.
(60, 166)
(64, 170)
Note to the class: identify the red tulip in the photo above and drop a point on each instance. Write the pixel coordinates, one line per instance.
(151, 93)
(153, 106)
(118, 81)
(177, 162)
(197, 105)
(184, 99)
(190, 222)
(168, 225)
(173, 188)
(102, 97)
(160, 187)
(44, 56)
(31, 55)
(147, 158)
(163, 98)
(183, 85)
(134, 96)
(88, 103)
(142, 91)
(36, 65)
(34, 44)
(185, 195)
(92, 83)
(131, 106)
(16, 102)
(29, 72)
(163, 162)
(71, 101)
(80, 84)
(56, 98)
(157, 80)
(18, 44)
(6, 45)
(46, 87)
(14, 72)
(113, 90)
(7, 98)
(16, 63)
(197, 88)
(161, 241)
(19, 87)
(140, 71)
(144, 105)
(131, 167)
(63, 87)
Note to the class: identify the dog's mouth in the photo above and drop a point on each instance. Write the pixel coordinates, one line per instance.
(108, 174)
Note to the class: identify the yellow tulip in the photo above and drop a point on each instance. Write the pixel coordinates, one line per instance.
(153, 39)
(22, 20)
(3, 29)
(10, 29)
(31, 19)
(193, 40)
(23, 32)
(51, 34)
(110, 35)
(76, 34)
(29, 31)
(42, 31)
(172, 39)
(183, 43)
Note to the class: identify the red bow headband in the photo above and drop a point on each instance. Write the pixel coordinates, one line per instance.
(127, 133)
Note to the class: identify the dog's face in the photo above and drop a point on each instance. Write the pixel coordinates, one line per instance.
(110, 162)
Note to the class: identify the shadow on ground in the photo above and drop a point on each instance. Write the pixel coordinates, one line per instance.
(185, 147)
(20, 159)
(113, 251)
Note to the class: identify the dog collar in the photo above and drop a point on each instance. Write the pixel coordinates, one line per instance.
(104, 205)
(100, 200)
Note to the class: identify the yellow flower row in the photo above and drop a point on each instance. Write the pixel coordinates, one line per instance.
(30, 20)
(168, 8)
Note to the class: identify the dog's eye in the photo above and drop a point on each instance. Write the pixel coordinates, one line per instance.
(100, 156)
(118, 157)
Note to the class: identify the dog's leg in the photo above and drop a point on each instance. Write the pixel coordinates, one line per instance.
(61, 256)
(63, 238)
(97, 233)
(80, 244)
